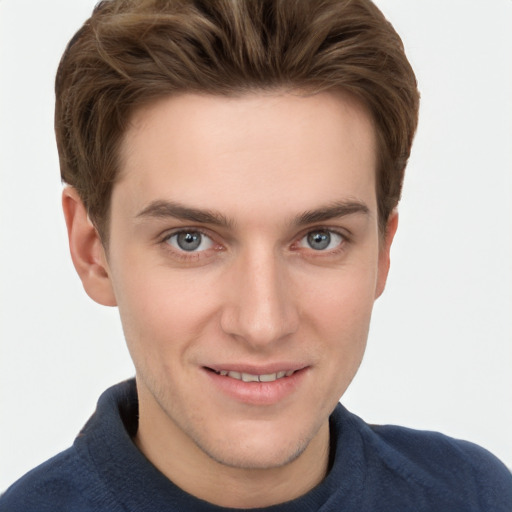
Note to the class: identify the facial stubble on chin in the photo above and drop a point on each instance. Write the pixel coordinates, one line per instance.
(242, 463)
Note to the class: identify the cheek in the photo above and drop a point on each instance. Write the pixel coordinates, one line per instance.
(342, 299)
(338, 317)
(162, 311)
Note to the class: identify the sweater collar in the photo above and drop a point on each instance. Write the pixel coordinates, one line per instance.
(106, 445)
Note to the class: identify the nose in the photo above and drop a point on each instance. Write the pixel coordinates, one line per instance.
(260, 309)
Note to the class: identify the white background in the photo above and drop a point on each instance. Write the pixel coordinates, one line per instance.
(440, 348)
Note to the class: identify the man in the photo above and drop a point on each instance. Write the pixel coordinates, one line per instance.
(233, 170)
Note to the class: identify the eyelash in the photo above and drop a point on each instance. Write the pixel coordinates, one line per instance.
(195, 255)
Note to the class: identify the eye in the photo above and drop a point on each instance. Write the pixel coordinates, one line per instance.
(190, 241)
(321, 240)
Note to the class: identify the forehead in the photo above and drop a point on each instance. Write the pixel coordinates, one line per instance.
(282, 150)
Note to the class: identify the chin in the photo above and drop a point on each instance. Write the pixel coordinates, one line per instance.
(254, 456)
(262, 444)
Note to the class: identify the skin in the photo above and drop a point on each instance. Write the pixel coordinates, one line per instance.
(250, 176)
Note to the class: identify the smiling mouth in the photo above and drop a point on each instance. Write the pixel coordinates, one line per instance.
(249, 377)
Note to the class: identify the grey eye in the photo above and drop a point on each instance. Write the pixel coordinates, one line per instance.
(321, 240)
(190, 241)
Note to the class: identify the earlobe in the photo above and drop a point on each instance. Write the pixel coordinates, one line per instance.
(384, 253)
(87, 251)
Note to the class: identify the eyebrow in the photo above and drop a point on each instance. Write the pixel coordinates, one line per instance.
(161, 209)
(332, 211)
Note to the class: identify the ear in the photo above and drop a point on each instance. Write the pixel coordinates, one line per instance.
(384, 253)
(87, 251)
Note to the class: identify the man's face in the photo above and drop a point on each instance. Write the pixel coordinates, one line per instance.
(245, 247)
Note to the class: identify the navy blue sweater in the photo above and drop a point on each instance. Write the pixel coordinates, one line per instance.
(375, 468)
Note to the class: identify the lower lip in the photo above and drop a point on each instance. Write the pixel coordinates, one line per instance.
(257, 393)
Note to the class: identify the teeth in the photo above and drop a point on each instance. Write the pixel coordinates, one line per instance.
(249, 377)
(269, 377)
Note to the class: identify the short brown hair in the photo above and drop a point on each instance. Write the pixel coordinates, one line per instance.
(131, 52)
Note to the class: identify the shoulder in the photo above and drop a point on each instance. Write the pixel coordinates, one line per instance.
(61, 483)
(407, 469)
(80, 479)
(435, 449)
(454, 469)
